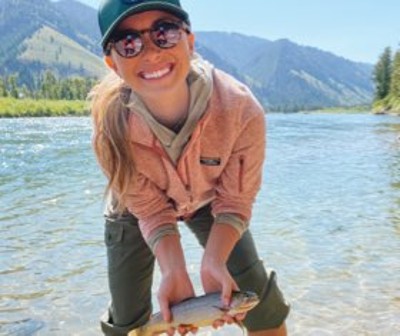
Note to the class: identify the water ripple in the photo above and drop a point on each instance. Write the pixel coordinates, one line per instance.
(327, 218)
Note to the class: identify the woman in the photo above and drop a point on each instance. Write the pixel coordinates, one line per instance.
(178, 141)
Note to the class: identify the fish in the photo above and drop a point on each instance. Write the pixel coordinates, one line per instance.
(200, 311)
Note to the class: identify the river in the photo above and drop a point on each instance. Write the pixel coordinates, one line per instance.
(327, 219)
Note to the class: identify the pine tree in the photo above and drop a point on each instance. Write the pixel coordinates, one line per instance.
(395, 77)
(3, 88)
(48, 85)
(12, 84)
(382, 74)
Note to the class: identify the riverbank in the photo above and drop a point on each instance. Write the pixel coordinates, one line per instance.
(362, 109)
(15, 108)
(388, 105)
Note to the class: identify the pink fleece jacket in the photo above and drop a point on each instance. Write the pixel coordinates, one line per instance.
(221, 164)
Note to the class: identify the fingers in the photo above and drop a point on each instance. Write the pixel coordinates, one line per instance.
(226, 319)
(226, 293)
(240, 317)
(228, 286)
(235, 287)
(218, 323)
(183, 330)
(164, 308)
(194, 330)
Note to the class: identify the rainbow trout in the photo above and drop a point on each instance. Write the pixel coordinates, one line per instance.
(199, 311)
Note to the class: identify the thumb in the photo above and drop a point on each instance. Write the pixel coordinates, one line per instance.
(165, 311)
(226, 293)
(235, 287)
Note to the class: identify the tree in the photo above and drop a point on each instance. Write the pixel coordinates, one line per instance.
(25, 92)
(382, 74)
(395, 77)
(12, 85)
(48, 85)
(3, 88)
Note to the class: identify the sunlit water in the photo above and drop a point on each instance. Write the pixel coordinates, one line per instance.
(327, 219)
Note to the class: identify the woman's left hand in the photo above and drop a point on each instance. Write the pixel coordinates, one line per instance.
(215, 277)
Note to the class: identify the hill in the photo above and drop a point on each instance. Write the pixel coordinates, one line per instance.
(286, 75)
(63, 37)
(41, 35)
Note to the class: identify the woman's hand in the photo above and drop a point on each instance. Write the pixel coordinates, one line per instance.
(215, 277)
(175, 282)
(214, 272)
(175, 287)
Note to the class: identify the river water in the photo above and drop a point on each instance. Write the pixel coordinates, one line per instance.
(327, 219)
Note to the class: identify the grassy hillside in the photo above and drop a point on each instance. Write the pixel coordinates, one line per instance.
(53, 49)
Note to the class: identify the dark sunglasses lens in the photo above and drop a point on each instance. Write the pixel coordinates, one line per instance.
(129, 46)
(166, 34)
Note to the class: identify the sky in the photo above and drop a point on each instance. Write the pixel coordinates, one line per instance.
(358, 30)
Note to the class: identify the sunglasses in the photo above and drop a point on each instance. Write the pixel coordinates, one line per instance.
(164, 34)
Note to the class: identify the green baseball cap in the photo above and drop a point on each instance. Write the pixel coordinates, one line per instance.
(112, 12)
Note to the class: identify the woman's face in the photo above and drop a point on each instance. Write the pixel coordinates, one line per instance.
(154, 70)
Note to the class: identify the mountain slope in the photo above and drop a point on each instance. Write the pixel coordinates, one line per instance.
(287, 75)
(61, 54)
(41, 35)
(64, 37)
(84, 21)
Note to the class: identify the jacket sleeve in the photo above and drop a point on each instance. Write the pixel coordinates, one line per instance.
(152, 207)
(241, 179)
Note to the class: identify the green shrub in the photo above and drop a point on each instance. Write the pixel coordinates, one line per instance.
(13, 108)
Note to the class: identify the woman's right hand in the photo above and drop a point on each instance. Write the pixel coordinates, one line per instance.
(175, 287)
(175, 282)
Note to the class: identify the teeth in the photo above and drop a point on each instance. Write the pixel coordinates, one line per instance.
(156, 74)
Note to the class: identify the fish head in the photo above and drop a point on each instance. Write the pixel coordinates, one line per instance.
(242, 302)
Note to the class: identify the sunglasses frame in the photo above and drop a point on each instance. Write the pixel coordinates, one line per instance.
(118, 36)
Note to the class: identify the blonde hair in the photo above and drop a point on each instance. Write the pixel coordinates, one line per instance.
(108, 100)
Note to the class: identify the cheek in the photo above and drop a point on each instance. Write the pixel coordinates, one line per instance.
(122, 69)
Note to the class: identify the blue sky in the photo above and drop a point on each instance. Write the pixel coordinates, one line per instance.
(355, 29)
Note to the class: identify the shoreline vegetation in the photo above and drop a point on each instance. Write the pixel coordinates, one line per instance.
(388, 105)
(47, 95)
(17, 108)
(29, 107)
(387, 83)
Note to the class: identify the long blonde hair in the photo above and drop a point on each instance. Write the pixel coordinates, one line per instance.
(111, 143)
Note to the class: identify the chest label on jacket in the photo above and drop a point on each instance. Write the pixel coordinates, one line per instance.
(210, 161)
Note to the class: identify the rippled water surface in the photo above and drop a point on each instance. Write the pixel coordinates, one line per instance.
(327, 219)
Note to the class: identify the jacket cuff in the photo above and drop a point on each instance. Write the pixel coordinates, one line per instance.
(233, 220)
(160, 232)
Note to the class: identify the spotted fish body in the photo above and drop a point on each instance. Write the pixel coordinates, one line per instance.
(199, 311)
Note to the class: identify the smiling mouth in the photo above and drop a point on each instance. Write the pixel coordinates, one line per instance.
(156, 74)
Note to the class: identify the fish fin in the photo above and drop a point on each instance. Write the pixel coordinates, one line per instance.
(223, 309)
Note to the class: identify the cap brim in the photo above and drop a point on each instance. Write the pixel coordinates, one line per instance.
(156, 5)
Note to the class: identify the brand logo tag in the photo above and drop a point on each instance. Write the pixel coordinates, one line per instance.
(210, 161)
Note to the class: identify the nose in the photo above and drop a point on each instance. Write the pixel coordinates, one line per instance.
(150, 51)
